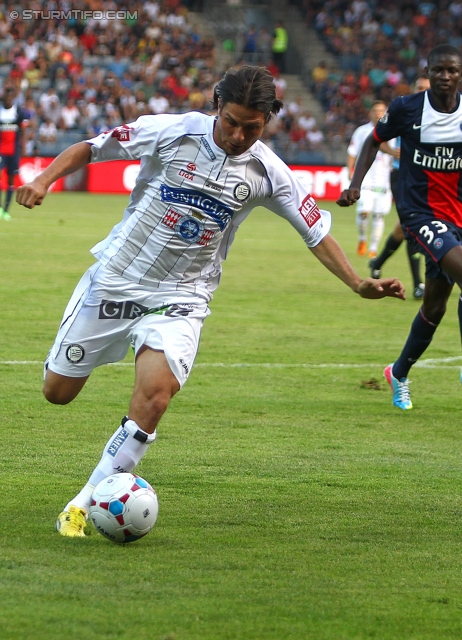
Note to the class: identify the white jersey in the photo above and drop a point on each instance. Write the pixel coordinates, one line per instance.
(189, 200)
(378, 176)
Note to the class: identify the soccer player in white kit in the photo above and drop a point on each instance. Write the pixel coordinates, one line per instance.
(200, 176)
(376, 197)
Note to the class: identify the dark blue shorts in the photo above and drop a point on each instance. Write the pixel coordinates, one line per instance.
(10, 163)
(433, 238)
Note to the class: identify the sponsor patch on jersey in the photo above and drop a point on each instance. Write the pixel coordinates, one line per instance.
(209, 205)
(310, 211)
(114, 310)
(75, 353)
(208, 148)
(438, 243)
(213, 186)
(122, 133)
(191, 166)
(186, 174)
(242, 191)
(384, 118)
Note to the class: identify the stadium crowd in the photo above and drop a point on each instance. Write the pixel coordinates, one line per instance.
(78, 76)
(380, 49)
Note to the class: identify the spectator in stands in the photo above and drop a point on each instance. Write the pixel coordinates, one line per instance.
(88, 40)
(250, 45)
(70, 116)
(33, 75)
(315, 138)
(306, 120)
(197, 98)
(61, 83)
(295, 107)
(47, 132)
(281, 84)
(319, 75)
(31, 48)
(264, 45)
(51, 109)
(119, 64)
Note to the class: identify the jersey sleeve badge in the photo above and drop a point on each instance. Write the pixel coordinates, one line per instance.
(309, 211)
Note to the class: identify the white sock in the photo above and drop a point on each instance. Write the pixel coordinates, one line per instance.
(377, 227)
(362, 223)
(122, 453)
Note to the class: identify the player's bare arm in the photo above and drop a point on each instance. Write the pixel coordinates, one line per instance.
(73, 158)
(329, 252)
(363, 163)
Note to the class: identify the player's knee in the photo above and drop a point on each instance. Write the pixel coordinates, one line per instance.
(158, 403)
(61, 393)
(434, 311)
(151, 405)
(54, 395)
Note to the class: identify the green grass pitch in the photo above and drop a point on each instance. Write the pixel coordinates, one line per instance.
(296, 503)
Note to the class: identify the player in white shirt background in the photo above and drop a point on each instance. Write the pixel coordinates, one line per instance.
(376, 198)
(200, 176)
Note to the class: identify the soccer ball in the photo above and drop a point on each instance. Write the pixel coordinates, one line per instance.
(123, 507)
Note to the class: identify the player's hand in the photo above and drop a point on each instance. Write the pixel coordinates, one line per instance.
(381, 288)
(31, 194)
(348, 197)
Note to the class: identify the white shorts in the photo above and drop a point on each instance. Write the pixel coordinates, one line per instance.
(107, 313)
(374, 202)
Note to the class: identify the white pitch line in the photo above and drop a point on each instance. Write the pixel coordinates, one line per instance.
(430, 363)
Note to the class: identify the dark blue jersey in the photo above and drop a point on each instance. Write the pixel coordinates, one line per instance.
(431, 156)
(12, 122)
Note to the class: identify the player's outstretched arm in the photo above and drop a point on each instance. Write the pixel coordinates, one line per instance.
(71, 159)
(329, 252)
(363, 163)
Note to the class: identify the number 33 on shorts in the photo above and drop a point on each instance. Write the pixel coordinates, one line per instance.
(428, 234)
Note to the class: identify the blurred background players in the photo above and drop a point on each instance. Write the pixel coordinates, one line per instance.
(13, 119)
(376, 196)
(396, 237)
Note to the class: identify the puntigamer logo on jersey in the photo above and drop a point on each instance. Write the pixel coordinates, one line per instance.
(310, 211)
(213, 208)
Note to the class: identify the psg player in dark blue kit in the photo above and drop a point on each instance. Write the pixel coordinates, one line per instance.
(13, 120)
(429, 196)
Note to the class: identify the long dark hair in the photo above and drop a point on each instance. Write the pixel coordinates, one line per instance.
(251, 87)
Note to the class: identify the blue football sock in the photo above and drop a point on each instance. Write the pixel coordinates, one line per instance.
(419, 338)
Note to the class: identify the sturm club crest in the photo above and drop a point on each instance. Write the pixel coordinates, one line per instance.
(189, 229)
(75, 353)
(242, 191)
